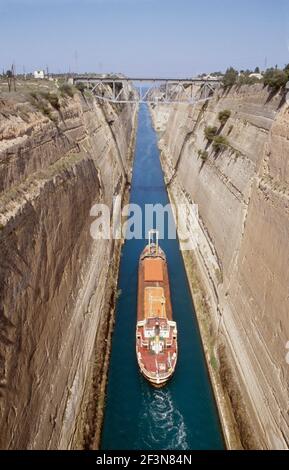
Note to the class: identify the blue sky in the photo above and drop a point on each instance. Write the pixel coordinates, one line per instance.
(143, 37)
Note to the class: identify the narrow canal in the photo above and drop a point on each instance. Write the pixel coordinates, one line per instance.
(183, 415)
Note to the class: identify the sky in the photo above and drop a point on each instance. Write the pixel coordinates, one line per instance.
(177, 38)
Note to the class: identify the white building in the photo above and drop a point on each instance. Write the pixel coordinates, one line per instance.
(256, 75)
(212, 77)
(39, 74)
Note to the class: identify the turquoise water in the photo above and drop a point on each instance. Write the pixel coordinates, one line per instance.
(183, 415)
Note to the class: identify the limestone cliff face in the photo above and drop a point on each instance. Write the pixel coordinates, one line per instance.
(242, 252)
(53, 275)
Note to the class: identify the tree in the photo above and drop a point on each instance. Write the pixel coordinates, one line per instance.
(275, 78)
(257, 70)
(230, 77)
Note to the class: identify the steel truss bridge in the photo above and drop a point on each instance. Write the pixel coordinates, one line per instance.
(149, 90)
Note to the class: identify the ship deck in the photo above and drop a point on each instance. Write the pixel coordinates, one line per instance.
(156, 351)
(153, 289)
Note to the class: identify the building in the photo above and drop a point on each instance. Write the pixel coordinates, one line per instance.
(39, 74)
(212, 77)
(259, 76)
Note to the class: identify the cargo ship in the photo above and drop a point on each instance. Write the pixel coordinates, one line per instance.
(156, 332)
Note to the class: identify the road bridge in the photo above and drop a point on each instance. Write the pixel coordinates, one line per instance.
(149, 90)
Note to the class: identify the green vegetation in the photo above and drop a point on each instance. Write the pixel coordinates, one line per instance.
(220, 143)
(42, 100)
(210, 132)
(44, 108)
(245, 79)
(233, 77)
(81, 87)
(214, 362)
(1, 227)
(34, 95)
(230, 77)
(44, 94)
(276, 78)
(54, 101)
(67, 90)
(223, 116)
(52, 98)
(219, 276)
(203, 154)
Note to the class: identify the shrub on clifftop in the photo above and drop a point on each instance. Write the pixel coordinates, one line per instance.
(203, 154)
(210, 132)
(220, 143)
(67, 90)
(81, 87)
(223, 116)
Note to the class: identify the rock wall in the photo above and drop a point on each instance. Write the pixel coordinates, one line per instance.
(53, 276)
(242, 193)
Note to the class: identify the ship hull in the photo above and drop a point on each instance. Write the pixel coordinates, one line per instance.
(154, 382)
(156, 332)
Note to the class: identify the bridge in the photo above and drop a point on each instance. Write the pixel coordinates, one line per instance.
(149, 90)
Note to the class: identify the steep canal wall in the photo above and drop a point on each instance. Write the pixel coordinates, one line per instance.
(239, 269)
(58, 157)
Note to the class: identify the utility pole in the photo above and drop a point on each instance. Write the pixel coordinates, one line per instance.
(76, 61)
(9, 79)
(14, 75)
(10, 74)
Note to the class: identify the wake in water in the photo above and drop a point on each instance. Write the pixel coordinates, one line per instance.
(161, 426)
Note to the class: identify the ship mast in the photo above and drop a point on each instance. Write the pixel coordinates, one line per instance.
(153, 235)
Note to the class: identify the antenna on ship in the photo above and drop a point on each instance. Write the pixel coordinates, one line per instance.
(153, 233)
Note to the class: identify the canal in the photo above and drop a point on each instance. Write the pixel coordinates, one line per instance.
(183, 415)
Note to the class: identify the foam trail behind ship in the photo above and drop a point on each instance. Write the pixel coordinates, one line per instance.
(161, 424)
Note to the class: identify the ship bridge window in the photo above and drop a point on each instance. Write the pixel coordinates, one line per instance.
(165, 333)
(149, 333)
